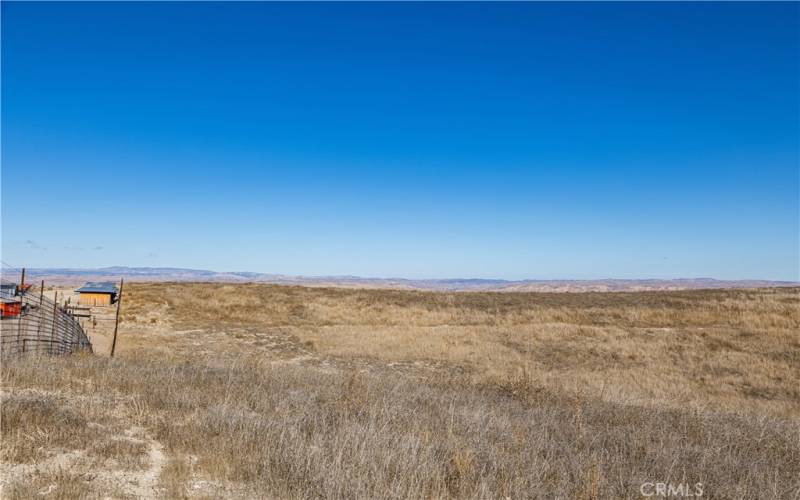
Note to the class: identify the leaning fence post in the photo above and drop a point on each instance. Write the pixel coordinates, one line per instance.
(116, 321)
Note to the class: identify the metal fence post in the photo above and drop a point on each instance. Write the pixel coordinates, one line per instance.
(21, 291)
(41, 316)
(55, 319)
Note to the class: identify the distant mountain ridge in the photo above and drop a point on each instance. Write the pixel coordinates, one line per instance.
(71, 275)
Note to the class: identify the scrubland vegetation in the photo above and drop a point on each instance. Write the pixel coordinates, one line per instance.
(257, 391)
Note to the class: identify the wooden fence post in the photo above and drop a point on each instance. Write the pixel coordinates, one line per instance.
(116, 321)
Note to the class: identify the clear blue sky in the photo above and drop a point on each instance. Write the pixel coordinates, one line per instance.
(535, 140)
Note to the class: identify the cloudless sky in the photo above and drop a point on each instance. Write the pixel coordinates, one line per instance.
(420, 140)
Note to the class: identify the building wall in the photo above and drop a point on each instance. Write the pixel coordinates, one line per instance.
(94, 299)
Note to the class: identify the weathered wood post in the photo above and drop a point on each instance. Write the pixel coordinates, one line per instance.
(116, 321)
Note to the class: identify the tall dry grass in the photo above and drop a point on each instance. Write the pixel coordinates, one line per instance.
(255, 430)
(259, 391)
(722, 349)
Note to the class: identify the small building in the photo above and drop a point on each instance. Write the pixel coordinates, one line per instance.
(102, 293)
(8, 290)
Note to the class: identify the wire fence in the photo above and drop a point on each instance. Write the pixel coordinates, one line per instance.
(33, 323)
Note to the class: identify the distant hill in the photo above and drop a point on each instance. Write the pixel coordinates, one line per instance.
(68, 275)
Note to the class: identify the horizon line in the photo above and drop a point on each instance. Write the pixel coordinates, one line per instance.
(89, 270)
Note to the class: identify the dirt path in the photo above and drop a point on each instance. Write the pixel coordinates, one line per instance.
(121, 459)
(144, 484)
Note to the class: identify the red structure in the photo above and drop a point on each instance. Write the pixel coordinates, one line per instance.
(10, 308)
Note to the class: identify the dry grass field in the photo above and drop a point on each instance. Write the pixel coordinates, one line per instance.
(264, 391)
